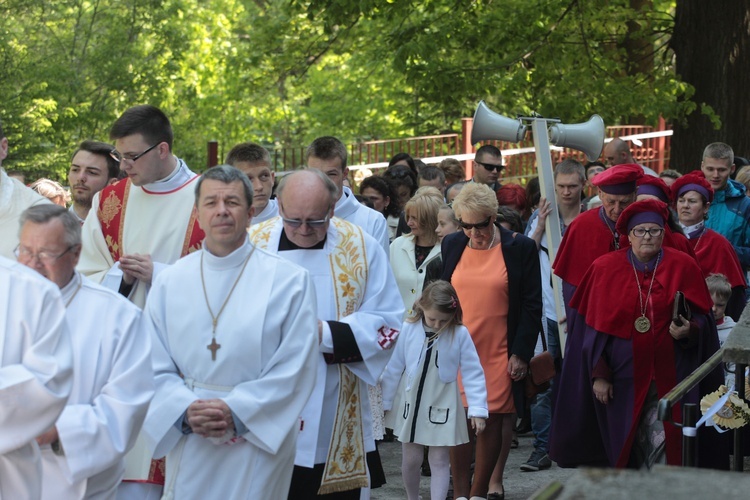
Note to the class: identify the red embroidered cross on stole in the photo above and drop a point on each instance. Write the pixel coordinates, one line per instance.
(113, 202)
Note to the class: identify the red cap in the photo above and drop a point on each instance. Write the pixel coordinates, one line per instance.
(619, 179)
(693, 181)
(642, 211)
(648, 184)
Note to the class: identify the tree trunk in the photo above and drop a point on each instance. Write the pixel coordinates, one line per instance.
(711, 42)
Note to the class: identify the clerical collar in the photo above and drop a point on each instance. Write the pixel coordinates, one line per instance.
(694, 230)
(643, 266)
(179, 176)
(286, 244)
(234, 259)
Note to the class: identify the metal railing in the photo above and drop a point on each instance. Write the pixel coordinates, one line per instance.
(734, 351)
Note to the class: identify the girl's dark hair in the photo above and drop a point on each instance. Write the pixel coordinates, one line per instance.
(439, 295)
(405, 157)
(385, 188)
(402, 175)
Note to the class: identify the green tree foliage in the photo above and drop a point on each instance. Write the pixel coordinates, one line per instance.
(282, 72)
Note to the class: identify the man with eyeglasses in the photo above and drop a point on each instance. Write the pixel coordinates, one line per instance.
(328, 155)
(141, 225)
(359, 317)
(488, 166)
(83, 452)
(14, 199)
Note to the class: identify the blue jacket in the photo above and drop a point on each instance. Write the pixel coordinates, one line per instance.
(729, 215)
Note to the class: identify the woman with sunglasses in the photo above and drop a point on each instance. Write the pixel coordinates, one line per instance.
(496, 274)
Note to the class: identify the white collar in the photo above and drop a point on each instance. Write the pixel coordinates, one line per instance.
(179, 176)
(691, 229)
(346, 205)
(234, 259)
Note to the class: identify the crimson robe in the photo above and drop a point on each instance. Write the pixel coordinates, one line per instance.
(715, 254)
(585, 431)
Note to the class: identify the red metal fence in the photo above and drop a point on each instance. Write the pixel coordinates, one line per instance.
(652, 152)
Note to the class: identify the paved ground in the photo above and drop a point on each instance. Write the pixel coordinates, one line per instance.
(518, 484)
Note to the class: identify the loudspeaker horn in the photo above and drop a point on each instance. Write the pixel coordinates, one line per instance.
(491, 126)
(585, 137)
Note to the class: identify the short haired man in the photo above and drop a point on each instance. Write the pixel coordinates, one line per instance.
(617, 152)
(36, 369)
(570, 177)
(92, 168)
(254, 161)
(141, 225)
(729, 214)
(83, 452)
(233, 331)
(328, 154)
(14, 199)
(488, 166)
(432, 176)
(359, 313)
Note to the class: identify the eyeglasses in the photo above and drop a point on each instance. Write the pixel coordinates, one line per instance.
(490, 167)
(478, 225)
(43, 256)
(119, 158)
(654, 232)
(312, 224)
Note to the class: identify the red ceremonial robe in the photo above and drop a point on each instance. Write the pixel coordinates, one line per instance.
(607, 300)
(716, 255)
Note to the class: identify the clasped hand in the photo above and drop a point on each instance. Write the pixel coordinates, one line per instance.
(210, 417)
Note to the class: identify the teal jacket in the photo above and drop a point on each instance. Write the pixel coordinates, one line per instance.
(729, 215)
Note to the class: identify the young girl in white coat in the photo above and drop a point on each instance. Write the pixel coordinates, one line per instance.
(421, 390)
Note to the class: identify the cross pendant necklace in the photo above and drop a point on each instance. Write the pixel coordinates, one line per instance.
(215, 346)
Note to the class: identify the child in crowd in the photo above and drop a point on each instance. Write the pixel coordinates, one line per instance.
(447, 222)
(421, 394)
(721, 290)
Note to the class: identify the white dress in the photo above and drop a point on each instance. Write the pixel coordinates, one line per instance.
(427, 414)
(421, 387)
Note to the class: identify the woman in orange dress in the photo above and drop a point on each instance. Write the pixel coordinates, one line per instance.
(496, 275)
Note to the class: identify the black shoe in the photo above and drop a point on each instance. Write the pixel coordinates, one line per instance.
(539, 460)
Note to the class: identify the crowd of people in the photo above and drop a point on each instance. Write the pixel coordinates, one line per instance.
(238, 334)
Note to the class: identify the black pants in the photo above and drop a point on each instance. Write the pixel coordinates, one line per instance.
(306, 482)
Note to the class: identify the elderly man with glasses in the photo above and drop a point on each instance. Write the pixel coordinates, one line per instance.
(83, 452)
(138, 227)
(359, 317)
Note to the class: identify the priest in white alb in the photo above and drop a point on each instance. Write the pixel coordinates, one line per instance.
(83, 452)
(359, 313)
(136, 228)
(234, 329)
(36, 374)
(145, 222)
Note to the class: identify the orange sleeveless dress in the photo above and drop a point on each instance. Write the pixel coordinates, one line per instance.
(481, 281)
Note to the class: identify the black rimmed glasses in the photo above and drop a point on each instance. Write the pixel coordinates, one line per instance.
(654, 232)
(312, 224)
(478, 225)
(490, 167)
(119, 158)
(44, 256)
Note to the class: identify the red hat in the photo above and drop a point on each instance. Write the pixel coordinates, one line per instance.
(693, 181)
(642, 211)
(619, 179)
(654, 186)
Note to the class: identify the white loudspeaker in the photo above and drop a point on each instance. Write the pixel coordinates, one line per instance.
(490, 126)
(586, 137)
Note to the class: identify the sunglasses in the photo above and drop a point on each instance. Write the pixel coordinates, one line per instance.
(478, 225)
(312, 224)
(490, 167)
